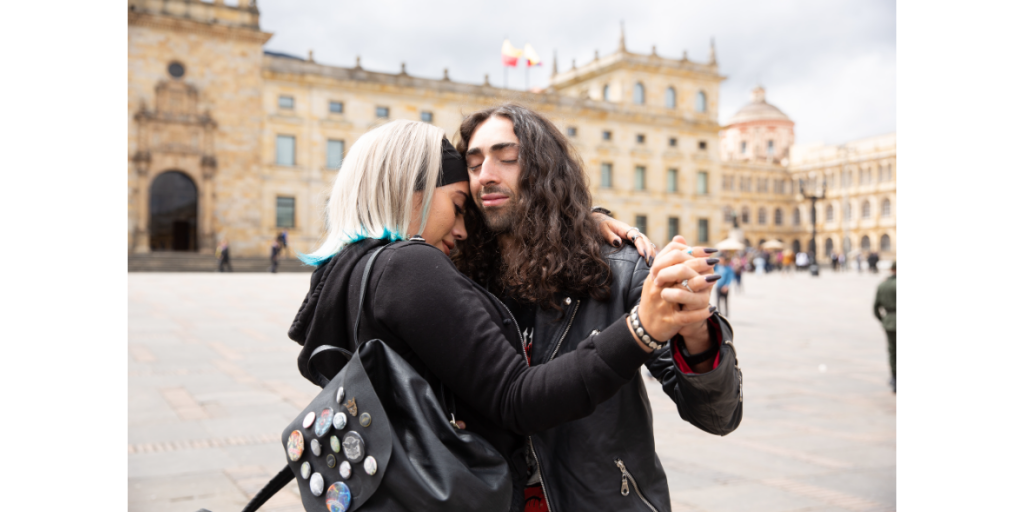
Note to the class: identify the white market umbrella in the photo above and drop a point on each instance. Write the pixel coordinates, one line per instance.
(773, 245)
(730, 244)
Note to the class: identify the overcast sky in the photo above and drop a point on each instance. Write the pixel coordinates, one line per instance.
(831, 66)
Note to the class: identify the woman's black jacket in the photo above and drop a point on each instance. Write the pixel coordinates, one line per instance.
(456, 333)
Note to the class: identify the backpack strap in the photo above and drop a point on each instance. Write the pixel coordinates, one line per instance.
(322, 379)
(275, 484)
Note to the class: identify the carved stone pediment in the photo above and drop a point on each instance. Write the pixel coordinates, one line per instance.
(175, 124)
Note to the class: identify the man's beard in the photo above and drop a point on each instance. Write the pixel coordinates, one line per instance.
(501, 218)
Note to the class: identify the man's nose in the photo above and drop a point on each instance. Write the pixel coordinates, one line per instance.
(488, 176)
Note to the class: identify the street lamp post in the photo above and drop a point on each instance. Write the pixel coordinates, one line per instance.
(814, 224)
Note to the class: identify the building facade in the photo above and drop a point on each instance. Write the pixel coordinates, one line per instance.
(230, 141)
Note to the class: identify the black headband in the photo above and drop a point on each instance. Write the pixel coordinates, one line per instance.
(453, 166)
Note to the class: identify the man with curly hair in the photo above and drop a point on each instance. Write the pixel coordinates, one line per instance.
(536, 246)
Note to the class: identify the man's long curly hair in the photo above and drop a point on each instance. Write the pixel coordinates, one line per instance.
(557, 245)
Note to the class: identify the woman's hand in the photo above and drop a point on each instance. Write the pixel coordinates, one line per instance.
(663, 312)
(614, 231)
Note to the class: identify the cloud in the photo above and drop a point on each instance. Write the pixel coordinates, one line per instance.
(831, 66)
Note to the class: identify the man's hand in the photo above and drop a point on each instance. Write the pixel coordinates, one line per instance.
(615, 231)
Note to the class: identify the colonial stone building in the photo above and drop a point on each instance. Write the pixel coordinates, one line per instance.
(230, 141)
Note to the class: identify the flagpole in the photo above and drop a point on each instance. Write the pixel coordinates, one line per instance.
(506, 75)
(527, 76)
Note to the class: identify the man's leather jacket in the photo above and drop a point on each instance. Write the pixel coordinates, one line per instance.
(606, 461)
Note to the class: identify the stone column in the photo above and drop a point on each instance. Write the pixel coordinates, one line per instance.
(207, 237)
(142, 160)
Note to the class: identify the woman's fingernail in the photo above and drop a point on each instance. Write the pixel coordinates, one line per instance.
(712, 309)
(617, 242)
(650, 261)
(712, 278)
(710, 250)
(712, 261)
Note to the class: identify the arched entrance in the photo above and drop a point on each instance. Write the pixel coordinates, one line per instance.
(173, 212)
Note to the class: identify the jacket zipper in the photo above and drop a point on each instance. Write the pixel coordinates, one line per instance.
(628, 477)
(529, 439)
(566, 332)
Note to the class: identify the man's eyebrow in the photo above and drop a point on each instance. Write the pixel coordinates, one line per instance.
(503, 145)
(473, 151)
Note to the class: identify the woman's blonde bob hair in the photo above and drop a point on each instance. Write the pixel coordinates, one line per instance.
(373, 194)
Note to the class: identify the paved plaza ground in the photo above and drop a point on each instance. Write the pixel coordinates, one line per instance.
(212, 382)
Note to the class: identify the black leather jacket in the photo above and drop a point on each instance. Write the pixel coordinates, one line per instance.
(606, 461)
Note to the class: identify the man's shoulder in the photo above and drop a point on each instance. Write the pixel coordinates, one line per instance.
(627, 253)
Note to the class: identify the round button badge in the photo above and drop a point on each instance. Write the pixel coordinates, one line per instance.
(370, 465)
(364, 419)
(314, 445)
(306, 470)
(308, 420)
(339, 497)
(323, 423)
(340, 420)
(345, 469)
(335, 444)
(295, 445)
(340, 395)
(316, 484)
(354, 446)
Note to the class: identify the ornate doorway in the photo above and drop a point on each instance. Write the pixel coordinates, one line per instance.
(173, 212)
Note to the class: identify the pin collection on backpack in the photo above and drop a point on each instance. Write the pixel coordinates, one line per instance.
(351, 445)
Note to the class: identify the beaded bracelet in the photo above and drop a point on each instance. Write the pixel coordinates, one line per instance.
(634, 318)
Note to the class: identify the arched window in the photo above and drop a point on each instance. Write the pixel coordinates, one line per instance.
(670, 97)
(885, 244)
(761, 242)
(762, 216)
(638, 93)
(604, 92)
(846, 244)
(830, 214)
(886, 208)
(702, 102)
(865, 210)
(829, 248)
(745, 216)
(796, 245)
(778, 216)
(746, 242)
(727, 213)
(847, 211)
(796, 217)
(865, 243)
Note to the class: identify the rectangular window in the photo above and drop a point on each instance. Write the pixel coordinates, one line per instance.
(640, 178)
(571, 131)
(286, 150)
(285, 212)
(640, 138)
(673, 180)
(702, 183)
(702, 231)
(673, 227)
(606, 135)
(771, 147)
(606, 175)
(672, 142)
(427, 117)
(641, 223)
(702, 145)
(285, 102)
(383, 112)
(337, 107)
(743, 147)
(335, 151)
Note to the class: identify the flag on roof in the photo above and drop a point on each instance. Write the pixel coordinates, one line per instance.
(532, 59)
(510, 54)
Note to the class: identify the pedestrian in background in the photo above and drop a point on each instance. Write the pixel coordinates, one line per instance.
(724, 269)
(873, 262)
(738, 267)
(835, 261)
(859, 260)
(787, 261)
(282, 240)
(275, 256)
(885, 299)
(224, 257)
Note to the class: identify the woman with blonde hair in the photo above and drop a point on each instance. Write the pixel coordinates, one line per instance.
(403, 182)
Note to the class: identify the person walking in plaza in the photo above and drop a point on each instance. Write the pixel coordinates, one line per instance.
(885, 300)
(224, 257)
(536, 252)
(724, 269)
(860, 258)
(282, 240)
(873, 262)
(739, 267)
(403, 182)
(275, 256)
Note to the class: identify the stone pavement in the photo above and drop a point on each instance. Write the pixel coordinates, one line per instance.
(212, 381)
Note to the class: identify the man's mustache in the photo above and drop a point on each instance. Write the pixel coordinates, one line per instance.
(493, 189)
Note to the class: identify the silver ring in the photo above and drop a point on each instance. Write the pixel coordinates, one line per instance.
(687, 285)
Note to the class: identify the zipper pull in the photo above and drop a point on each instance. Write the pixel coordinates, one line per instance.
(625, 484)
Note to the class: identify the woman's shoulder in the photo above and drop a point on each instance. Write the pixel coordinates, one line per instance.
(413, 259)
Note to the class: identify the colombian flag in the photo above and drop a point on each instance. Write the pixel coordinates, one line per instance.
(532, 59)
(510, 54)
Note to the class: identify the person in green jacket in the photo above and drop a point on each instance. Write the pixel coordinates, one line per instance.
(885, 299)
